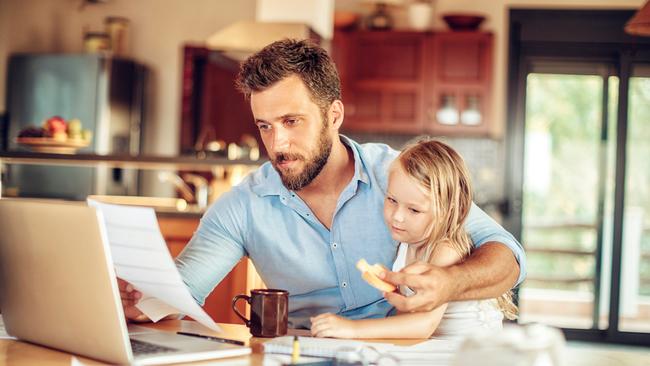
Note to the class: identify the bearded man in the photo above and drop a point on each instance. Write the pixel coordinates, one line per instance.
(307, 216)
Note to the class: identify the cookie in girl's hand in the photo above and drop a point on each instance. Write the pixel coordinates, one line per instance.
(370, 274)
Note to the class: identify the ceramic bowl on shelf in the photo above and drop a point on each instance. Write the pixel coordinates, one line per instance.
(50, 145)
(463, 22)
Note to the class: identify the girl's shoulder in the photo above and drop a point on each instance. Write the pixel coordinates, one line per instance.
(445, 254)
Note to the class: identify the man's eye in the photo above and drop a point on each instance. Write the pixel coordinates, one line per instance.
(263, 127)
(290, 121)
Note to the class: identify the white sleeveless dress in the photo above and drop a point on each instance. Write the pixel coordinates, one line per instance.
(461, 318)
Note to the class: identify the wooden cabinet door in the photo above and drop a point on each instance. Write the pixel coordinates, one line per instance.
(211, 107)
(460, 83)
(382, 76)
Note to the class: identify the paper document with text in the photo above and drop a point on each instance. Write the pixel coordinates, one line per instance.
(141, 257)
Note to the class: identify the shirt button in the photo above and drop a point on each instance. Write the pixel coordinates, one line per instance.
(344, 284)
(334, 245)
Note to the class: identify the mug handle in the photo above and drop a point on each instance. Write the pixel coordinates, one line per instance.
(234, 302)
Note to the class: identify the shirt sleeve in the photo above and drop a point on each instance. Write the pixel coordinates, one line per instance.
(216, 246)
(482, 229)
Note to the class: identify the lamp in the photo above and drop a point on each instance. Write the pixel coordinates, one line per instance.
(639, 25)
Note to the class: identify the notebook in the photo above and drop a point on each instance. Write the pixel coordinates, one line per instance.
(310, 346)
(427, 352)
(58, 289)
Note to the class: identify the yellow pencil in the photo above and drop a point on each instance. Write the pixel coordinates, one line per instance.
(295, 355)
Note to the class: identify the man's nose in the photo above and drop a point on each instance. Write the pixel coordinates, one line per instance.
(280, 139)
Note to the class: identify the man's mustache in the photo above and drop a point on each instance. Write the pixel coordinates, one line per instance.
(281, 157)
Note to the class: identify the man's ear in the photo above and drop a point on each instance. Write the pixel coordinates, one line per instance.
(335, 114)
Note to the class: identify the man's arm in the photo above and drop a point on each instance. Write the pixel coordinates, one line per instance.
(489, 272)
(213, 251)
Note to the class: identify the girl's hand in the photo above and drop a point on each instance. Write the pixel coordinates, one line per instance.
(333, 326)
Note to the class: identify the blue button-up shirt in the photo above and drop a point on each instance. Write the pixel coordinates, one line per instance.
(292, 250)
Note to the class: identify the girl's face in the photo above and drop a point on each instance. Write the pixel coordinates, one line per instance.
(407, 207)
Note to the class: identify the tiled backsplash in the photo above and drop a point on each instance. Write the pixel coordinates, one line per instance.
(485, 159)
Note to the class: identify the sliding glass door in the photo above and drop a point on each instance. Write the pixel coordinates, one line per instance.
(578, 171)
(567, 175)
(585, 197)
(634, 298)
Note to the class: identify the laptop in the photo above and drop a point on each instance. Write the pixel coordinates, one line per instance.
(58, 289)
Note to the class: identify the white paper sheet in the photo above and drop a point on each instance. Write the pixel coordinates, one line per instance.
(3, 331)
(141, 257)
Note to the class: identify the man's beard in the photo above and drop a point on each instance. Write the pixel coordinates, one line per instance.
(313, 167)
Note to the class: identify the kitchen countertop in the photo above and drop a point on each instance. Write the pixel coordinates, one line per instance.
(192, 211)
(187, 162)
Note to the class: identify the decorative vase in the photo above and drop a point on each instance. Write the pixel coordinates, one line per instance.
(380, 18)
(419, 15)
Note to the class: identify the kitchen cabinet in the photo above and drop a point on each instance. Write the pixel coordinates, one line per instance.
(211, 107)
(415, 82)
(382, 76)
(460, 82)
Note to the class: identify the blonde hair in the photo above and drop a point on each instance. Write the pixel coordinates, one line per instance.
(444, 175)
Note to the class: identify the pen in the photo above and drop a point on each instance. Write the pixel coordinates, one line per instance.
(295, 354)
(217, 339)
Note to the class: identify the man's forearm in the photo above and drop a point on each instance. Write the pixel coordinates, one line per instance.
(490, 271)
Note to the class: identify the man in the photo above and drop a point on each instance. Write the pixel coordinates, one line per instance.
(310, 214)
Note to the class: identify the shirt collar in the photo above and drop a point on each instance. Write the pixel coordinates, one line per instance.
(268, 182)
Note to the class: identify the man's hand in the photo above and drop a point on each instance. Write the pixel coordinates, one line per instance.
(433, 287)
(130, 297)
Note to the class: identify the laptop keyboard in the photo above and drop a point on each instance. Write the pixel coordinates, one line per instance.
(142, 348)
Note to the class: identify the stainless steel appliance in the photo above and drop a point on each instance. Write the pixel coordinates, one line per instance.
(105, 93)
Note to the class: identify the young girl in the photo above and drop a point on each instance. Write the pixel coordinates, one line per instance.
(427, 201)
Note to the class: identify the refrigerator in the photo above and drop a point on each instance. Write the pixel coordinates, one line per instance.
(107, 94)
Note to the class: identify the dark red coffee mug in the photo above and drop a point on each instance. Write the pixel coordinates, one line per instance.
(269, 312)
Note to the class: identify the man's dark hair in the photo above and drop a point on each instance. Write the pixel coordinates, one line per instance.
(289, 57)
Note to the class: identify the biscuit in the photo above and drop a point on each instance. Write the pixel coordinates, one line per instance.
(369, 274)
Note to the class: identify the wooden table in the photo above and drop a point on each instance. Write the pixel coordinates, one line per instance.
(13, 352)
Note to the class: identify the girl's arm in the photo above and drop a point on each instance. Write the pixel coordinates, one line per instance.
(404, 325)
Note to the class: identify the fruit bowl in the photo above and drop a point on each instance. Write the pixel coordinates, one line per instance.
(50, 145)
(463, 22)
